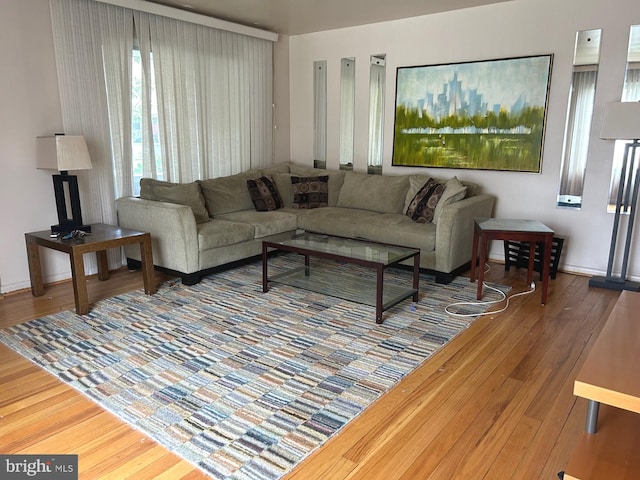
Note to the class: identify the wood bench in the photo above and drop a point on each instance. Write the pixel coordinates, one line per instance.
(610, 376)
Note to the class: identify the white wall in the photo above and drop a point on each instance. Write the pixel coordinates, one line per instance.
(509, 29)
(30, 107)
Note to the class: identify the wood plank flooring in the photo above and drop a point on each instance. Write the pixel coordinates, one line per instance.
(495, 403)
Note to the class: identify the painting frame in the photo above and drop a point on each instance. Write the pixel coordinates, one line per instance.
(481, 115)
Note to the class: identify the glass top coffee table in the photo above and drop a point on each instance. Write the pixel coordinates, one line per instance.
(320, 278)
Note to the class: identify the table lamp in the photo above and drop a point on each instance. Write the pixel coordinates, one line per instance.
(622, 122)
(64, 153)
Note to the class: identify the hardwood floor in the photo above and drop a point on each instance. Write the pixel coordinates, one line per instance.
(495, 403)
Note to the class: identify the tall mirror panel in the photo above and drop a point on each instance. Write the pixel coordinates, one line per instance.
(579, 113)
(320, 114)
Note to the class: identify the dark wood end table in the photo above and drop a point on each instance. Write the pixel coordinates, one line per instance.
(102, 237)
(532, 231)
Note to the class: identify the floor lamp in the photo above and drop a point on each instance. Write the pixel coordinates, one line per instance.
(64, 153)
(622, 122)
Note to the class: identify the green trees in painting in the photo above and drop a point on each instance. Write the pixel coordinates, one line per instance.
(501, 141)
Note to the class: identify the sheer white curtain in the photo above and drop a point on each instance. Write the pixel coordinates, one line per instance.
(214, 100)
(583, 88)
(213, 91)
(79, 29)
(376, 110)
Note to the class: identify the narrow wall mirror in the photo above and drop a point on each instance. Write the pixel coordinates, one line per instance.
(579, 113)
(377, 80)
(347, 111)
(320, 114)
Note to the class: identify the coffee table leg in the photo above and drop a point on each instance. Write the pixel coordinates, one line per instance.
(416, 276)
(265, 282)
(79, 283)
(379, 281)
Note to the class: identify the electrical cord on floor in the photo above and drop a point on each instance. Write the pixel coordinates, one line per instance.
(491, 302)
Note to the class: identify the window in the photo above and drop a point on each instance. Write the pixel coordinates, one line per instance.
(579, 115)
(141, 120)
(630, 93)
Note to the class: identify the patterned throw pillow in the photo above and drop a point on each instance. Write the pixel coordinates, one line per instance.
(310, 192)
(264, 194)
(423, 205)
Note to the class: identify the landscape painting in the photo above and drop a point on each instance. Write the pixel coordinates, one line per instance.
(487, 115)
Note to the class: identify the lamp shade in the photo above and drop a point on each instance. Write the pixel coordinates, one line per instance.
(62, 153)
(621, 121)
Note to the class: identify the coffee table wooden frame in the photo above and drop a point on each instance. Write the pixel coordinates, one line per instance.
(102, 238)
(379, 267)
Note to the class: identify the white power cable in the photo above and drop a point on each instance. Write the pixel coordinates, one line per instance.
(492, 302)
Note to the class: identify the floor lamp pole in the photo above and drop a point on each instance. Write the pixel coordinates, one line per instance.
(630, 191)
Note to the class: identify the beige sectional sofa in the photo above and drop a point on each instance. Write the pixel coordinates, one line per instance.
(200, 226)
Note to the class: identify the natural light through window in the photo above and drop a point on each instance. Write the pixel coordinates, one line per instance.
(141, 121)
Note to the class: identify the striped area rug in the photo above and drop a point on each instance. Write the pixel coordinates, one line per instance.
(242, 383)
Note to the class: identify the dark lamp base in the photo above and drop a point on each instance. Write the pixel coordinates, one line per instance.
(614, 284)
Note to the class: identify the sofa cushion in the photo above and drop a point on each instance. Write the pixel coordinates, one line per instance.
(397, 229)
(263, 223)
(336, 179)
(282, 182)
(454, 191)
(228, 194)
(332, 220)
(310, 192)
(264, 194)
(423, 205)
(379, 193)
(220, 233)
(180, 193)
(273, 169)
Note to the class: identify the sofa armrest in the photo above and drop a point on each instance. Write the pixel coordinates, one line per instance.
(454, 232)
(174, 235)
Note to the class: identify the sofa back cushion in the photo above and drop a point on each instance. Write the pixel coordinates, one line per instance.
(180, 193)
(228, 194)
(378, 193)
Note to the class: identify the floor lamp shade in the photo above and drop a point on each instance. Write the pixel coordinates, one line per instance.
(64, 153)
(622, 122)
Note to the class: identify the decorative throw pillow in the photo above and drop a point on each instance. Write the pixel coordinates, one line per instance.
(264, 194)
(310, 192)
(181, 193)
(454, 191)
(422, 207)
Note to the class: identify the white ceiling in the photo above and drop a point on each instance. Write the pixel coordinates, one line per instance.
(295, 17)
